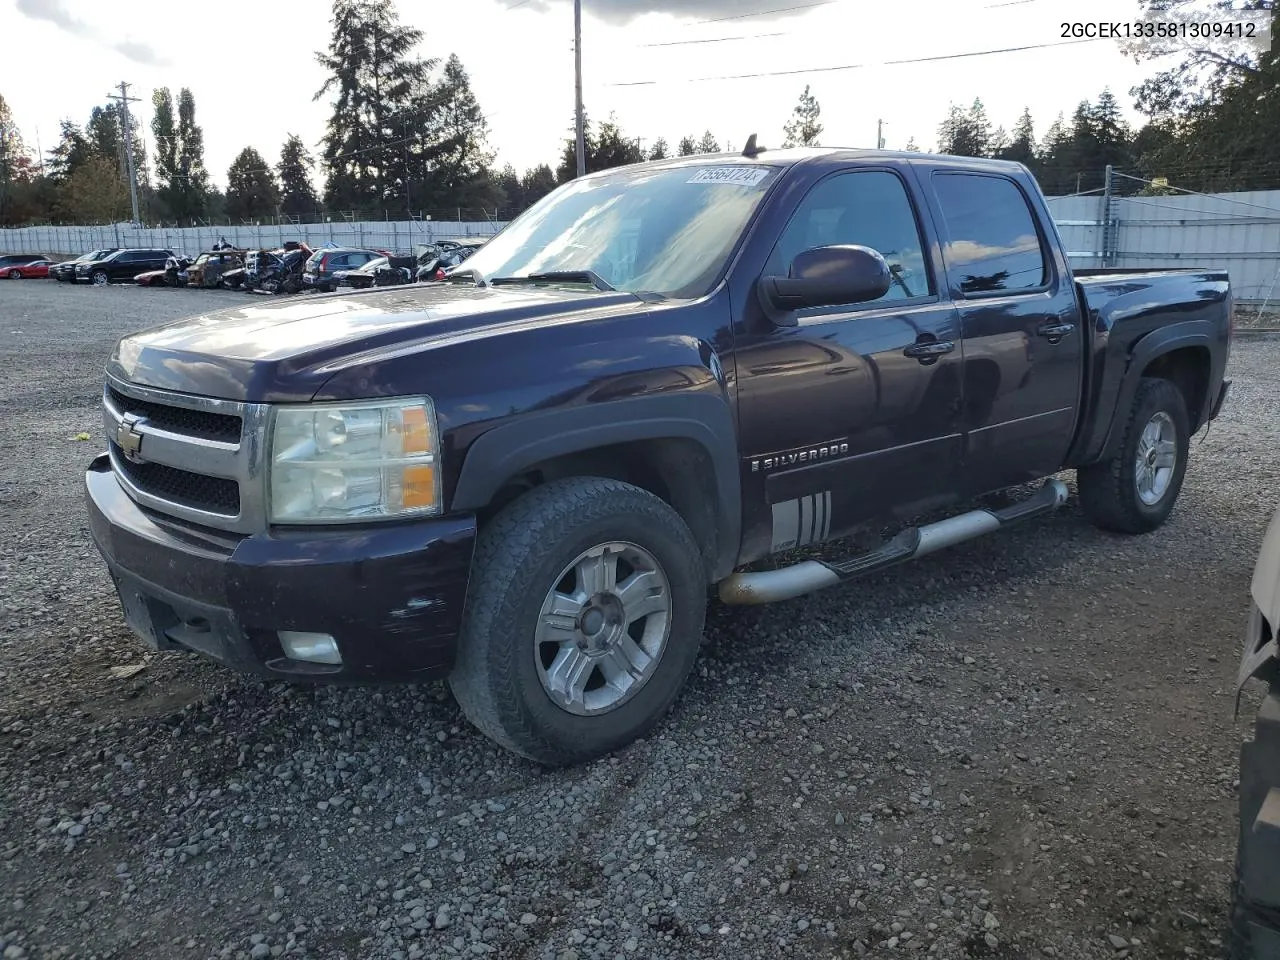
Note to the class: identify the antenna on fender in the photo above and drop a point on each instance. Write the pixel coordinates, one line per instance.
(751, 149)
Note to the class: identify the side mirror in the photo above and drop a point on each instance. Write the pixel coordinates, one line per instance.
(825, 277)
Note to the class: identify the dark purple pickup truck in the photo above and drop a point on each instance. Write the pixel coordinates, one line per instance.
(530, 477)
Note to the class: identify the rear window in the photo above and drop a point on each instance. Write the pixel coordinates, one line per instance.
(992, 243)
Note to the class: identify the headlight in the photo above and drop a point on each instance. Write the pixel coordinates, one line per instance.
(354, 461)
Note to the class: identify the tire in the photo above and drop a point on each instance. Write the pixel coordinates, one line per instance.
(15, 274)
(503, 676)
(99, 278)
(1109, 490)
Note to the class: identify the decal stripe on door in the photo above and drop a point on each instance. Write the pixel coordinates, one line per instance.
(798, 523)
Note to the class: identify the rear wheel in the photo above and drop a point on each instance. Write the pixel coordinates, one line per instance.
(1134, 492)
(583, 620)
(15, 274)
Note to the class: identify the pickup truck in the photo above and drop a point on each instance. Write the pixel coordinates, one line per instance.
(531, 478)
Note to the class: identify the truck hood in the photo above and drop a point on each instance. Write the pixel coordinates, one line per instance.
(284, 350)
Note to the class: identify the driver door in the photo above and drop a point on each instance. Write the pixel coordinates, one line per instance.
(854, 412)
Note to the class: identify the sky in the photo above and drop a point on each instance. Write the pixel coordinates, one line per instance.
(665, 68)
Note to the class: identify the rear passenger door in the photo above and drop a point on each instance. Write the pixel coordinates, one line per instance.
(1022, 346)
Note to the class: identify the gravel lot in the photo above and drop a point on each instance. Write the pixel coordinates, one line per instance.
(1020, 748)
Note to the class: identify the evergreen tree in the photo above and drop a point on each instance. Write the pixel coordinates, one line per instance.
(687, 148)
(605, 149)
(537, 183)
(380, 93)
(511, 195)
(252, 191)
(70, 154)
(803, 129)
(708, 144)
(297, 195)
(911, 145)
(1022, 145)
(456, 142)
(659, 150)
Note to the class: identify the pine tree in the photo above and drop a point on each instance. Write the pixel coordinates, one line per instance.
(1022, 145)
(382, 96)
(911, 145)
(659, 150)
(803, 129)
(456, 141)
(511, 196)
(70, 154)
(605, 149)
(708, 144)
(252, 191)
(537, 183)
(297, 195)
(687, 148)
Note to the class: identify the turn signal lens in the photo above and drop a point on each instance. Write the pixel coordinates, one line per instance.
(418, 488)
(415, 433)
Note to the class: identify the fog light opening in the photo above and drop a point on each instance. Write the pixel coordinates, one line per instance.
(311, 647)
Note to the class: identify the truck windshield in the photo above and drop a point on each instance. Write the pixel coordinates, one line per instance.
(665, 230)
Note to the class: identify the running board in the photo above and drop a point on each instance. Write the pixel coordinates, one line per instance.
(769, 586)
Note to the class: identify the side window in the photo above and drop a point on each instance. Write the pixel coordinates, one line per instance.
(992, 243)
(870, 208)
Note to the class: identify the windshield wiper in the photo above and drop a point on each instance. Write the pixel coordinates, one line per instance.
(563, 276)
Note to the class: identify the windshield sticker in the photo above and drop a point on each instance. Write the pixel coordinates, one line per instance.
(740, 176)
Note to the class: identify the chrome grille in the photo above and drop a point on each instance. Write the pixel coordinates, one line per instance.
(196, 458)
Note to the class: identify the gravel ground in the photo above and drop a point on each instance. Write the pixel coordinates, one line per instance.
(1020, 748)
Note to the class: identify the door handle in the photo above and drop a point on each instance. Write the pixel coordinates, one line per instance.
(928, 349)
(1055, 331)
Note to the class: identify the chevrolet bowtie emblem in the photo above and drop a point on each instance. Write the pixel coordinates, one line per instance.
(129, 437)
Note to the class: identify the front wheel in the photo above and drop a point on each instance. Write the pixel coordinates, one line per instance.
(1135, 491)
(99, 278)
(583, 620)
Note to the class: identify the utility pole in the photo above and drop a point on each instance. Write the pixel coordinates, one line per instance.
(124, 100)
(1108, 237)
(577, 67)
(879, 134)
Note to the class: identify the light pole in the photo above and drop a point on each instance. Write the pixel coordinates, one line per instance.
(577, 65)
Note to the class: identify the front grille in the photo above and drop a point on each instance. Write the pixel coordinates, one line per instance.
(203, 424)
(191, 490)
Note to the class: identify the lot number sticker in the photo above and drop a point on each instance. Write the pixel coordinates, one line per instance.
(740, 176)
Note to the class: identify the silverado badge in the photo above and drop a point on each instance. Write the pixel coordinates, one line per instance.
(799, 456)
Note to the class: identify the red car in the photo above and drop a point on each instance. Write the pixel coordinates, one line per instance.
(36, 268)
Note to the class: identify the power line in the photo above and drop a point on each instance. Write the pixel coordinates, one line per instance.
(765, 13)
(685, 43)
(859, 66)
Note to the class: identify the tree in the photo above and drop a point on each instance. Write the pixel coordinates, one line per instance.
(297, 195)
(708, 144)
(194, 177)
(537, 183)
(605, 149)
(252, 191)
(94, 193)
(380, 93)
(164, 130)
(456, 142)
(15, 164)
(687, 147)
(70, 154)
(911, 145)
(1022, 145)
(965, 133)
(511, 195)
(1203, 65)
(659, 150)
(803, 129)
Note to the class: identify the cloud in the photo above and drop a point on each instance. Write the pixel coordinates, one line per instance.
(623, 11)
(56, 13)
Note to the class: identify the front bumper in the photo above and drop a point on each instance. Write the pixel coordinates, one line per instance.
(390, 594)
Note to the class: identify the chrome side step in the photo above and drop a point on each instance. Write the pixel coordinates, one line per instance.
(769, 586)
